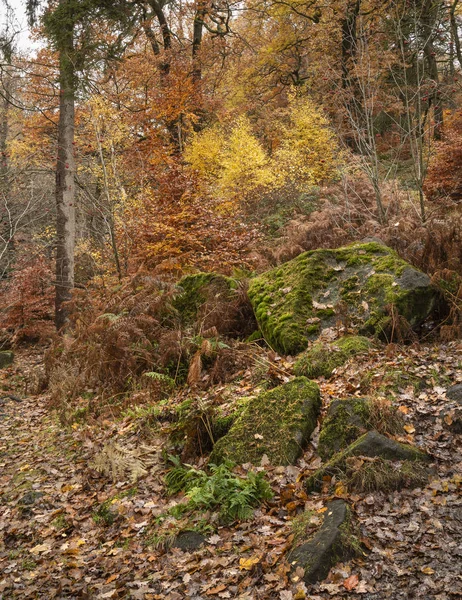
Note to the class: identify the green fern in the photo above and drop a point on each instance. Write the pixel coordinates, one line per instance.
(161, 378)
(234, 496)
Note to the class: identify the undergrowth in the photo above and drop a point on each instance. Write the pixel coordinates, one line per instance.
(377, 474)
(128, 342)
(220, 490)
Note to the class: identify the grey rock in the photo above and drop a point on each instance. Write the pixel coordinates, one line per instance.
(412, 279)
(373, 445)
(188, 540)
(332, 543)
(455, 393)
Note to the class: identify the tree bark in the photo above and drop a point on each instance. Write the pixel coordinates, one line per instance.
(65, 175)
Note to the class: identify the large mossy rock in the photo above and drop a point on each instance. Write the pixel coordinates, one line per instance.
(277, 423)
(6, 359)
(374, 445)
(335, 541)
(323, 357)
(295, 301)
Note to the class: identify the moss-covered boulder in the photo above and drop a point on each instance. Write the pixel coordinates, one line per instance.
(6, 359)
(323, 357)
(345, 422)
(277, 423)
(295, 301)
(371, 445)
(335, 541)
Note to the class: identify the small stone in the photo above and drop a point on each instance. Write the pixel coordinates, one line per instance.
(334, 542)
(29, 498)
(188, 540)
(455, 393)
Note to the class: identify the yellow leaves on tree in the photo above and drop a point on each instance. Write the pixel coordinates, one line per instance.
(308, 152)
(233, 162)
(230, 159)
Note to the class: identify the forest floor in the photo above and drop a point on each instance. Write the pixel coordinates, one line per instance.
(66, 531)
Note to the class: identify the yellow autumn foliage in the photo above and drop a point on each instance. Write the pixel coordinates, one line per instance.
(308, 152)
(232, 162)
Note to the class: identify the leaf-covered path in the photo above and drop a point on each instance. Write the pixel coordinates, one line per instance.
(68, 532)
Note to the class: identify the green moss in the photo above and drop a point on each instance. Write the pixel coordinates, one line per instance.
(6, 358)
(300, 526)
(365, 277)
(347, 420)
(277, 423)
(196, 289)
(256, 336)
(322, 358)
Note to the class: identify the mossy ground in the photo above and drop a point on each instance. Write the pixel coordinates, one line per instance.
(293, 302)
(277, 423)
(323, 357)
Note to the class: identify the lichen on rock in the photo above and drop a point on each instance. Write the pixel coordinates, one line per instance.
(323, 357)
(277, 423)
(298, 299)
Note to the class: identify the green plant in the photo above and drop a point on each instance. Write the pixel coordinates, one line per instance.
(103, 515)
(167, 382)
(234, 496)
(60, 522)
(301, 525)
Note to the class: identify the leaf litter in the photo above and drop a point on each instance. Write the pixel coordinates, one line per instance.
(70, 530)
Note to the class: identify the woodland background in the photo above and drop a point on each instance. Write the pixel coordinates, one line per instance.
(220, 136)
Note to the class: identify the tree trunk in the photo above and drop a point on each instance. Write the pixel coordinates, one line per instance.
(65, 174)
(349, 81)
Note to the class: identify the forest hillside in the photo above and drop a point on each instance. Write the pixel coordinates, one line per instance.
(231, 300)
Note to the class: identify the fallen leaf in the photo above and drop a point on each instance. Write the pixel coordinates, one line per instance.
(427, 570)
(215, 590)
(214, 539)
(245, 564)
(409, 428)
(351, 582)
(40, 549)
